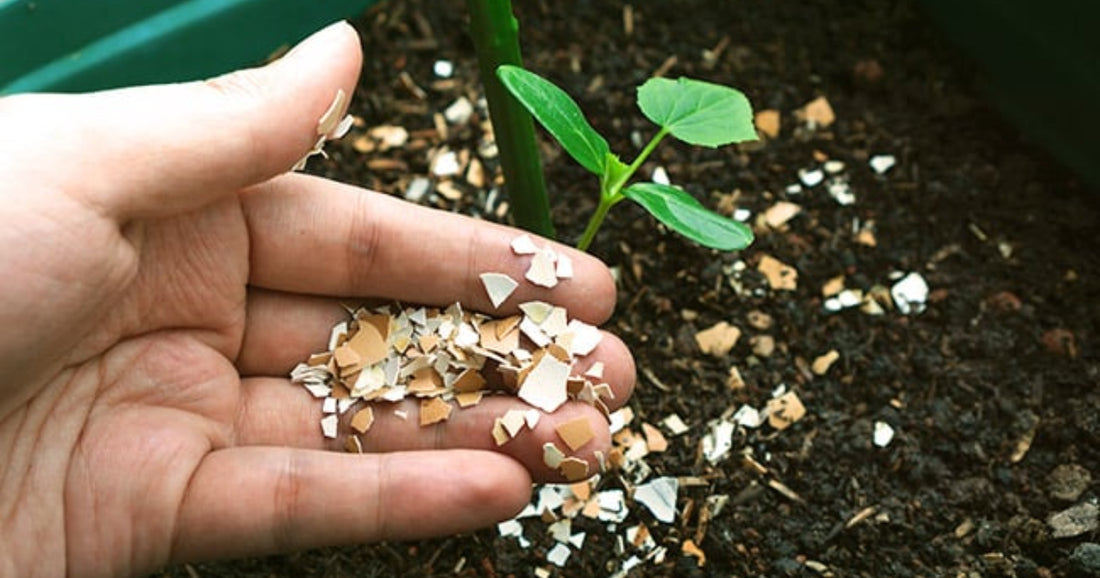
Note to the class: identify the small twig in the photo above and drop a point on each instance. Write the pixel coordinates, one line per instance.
(665, 66)
(652, 377)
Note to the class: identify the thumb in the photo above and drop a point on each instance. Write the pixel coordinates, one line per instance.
(158, 150)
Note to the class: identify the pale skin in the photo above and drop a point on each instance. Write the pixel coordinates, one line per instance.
(162, 272)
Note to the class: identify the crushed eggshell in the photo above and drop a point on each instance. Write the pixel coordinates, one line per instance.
(544, 386)
(524, 245)
(575, 433)
(817, 112)
(329, 424)
(768, 121)
(551, 455)
(882, 163)
(573, 469)
(543, 269)
(390, 353)
(655, 440)
(434, 410)
(674, 424)
(362, 420)
(822, 363)
(780, 276)
(833, 286)
(910, 294)
(563, 268)
(778, 214)
(718, 339)
(499, 286)
(785, 410)
(883, 434)
(659, 497)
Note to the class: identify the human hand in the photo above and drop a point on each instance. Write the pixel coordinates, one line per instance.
(163, 273)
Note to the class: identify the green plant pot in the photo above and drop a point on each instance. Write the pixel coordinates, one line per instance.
(74, 46)
(1041, 62)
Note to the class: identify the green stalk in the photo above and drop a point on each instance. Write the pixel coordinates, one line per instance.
(594, 223)
(612, 192)
(495, 33)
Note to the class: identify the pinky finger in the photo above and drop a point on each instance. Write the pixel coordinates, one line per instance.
(262, 500)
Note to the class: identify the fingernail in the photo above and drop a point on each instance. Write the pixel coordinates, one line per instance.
(320, 38)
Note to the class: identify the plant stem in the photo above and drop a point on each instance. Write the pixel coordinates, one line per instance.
(495, 33)
(611, 193)
(595, 222)
(642, 156)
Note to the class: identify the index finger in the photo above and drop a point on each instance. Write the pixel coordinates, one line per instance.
(312, 235)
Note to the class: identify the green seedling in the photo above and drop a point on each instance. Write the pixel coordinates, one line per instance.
(693, 111)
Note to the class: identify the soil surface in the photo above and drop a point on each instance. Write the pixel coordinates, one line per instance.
(991, 391)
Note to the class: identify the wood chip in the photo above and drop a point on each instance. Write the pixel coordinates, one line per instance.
(434, 410)
(575, 433)
(822, 364)
(499, 287)
(767, 122)
(785, 410)
(718, 339)
(779, 275)
(362, 420)
(689, 548)
(573, 469)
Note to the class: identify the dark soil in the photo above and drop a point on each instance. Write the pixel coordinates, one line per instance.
(1006, 240)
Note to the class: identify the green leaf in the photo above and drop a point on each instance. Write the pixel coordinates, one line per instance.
(559, 114)
(697, 112)
(682, 213)
(615, 173)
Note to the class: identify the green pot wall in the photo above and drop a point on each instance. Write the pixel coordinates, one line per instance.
(82, 45)
(1041, 62)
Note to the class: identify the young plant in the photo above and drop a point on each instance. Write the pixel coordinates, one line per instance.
(693, 111)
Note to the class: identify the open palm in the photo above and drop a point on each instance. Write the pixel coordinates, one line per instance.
(161, 276)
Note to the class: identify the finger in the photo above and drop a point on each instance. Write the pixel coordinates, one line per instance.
(279, 415)
(310, 235)
(175, 147)
(282, 330)
(252, 501)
